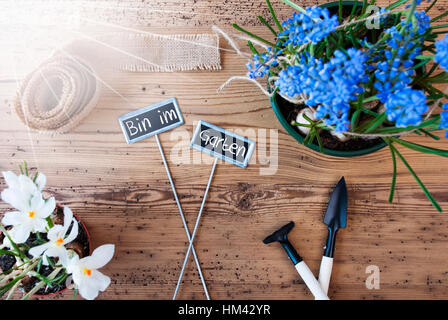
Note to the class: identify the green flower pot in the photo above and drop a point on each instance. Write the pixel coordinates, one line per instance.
(296, 135)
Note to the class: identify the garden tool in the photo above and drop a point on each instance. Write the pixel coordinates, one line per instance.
(281, 235)
(335, 218)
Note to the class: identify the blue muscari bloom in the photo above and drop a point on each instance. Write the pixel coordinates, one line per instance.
(442, 52)
(406, 106)
(329, 86)
(394, 74)
(256, 68)
(444, 119)
(314, 25)
(260, 64)
(423, 21)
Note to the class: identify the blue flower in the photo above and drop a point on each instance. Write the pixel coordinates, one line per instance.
(442, 52)
(406, 106)
(312, 26)
(444, 119)
(423, 21)
(329, 86)
(393, 74)
(259, 66)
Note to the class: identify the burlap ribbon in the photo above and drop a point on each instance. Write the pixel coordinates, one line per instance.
(65, 88)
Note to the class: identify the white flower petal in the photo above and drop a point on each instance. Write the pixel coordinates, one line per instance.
(47, 209)
(63, 258)
(13, 218)
(88, 291)
(100, 256)
(27, 185)
(102, 281)
(15, 199)
(38, 225)
(68, 216)
(6, 241)
(11, 179)
(73, 233)
(21, 233)
(41, 181)
(45, 259)
(55, 251)
(38, 250)
(37, 201)
(56, 232)
(76, 273)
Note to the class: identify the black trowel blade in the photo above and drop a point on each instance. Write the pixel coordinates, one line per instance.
(336, 214)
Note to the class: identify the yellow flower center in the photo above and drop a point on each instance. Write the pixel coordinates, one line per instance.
(31, 214)
(59, 241)
(87, 272)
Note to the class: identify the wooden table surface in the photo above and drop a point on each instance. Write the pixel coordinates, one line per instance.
(122, 192)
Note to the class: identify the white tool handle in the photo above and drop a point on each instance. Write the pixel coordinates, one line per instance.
(325, 272)
(310, 281)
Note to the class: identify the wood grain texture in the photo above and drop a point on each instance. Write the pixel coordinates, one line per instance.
(123, 195)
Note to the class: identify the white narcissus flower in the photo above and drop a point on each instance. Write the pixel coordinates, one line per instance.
(57, 239)
(21, 188)
(85, 274)
(31, 217)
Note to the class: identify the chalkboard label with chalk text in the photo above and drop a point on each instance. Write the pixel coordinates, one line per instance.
(222, 144)
(151, 120)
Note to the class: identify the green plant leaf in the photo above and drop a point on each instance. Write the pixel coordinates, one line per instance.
(267, 25)
(8, 252)
(44, 279)
(439, 17)
(420, 183)
(9, 285)
(396, 4)
(250, 34)
(375, 123)
(353, 10)
(75, 292)
(19, 252)
(355, 119)
(319, 141)
(429, 134)
(271, 10)
(394, 174)
(294, 6)
(421, 148)
(340, 11)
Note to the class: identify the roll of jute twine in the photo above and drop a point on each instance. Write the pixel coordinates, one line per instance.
(57, 95)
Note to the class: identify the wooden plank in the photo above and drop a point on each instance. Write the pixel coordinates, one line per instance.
(122, 192)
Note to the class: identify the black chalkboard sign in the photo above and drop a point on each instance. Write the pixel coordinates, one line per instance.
(151, 120)
(222, 144)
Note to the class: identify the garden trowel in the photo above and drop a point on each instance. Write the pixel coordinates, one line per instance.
(335, 218)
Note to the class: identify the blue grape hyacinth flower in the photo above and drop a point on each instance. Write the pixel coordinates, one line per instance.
(441, 55)
(258, 67)
(312, 26)
(444, 119)
(329, 86)
(406, 106)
